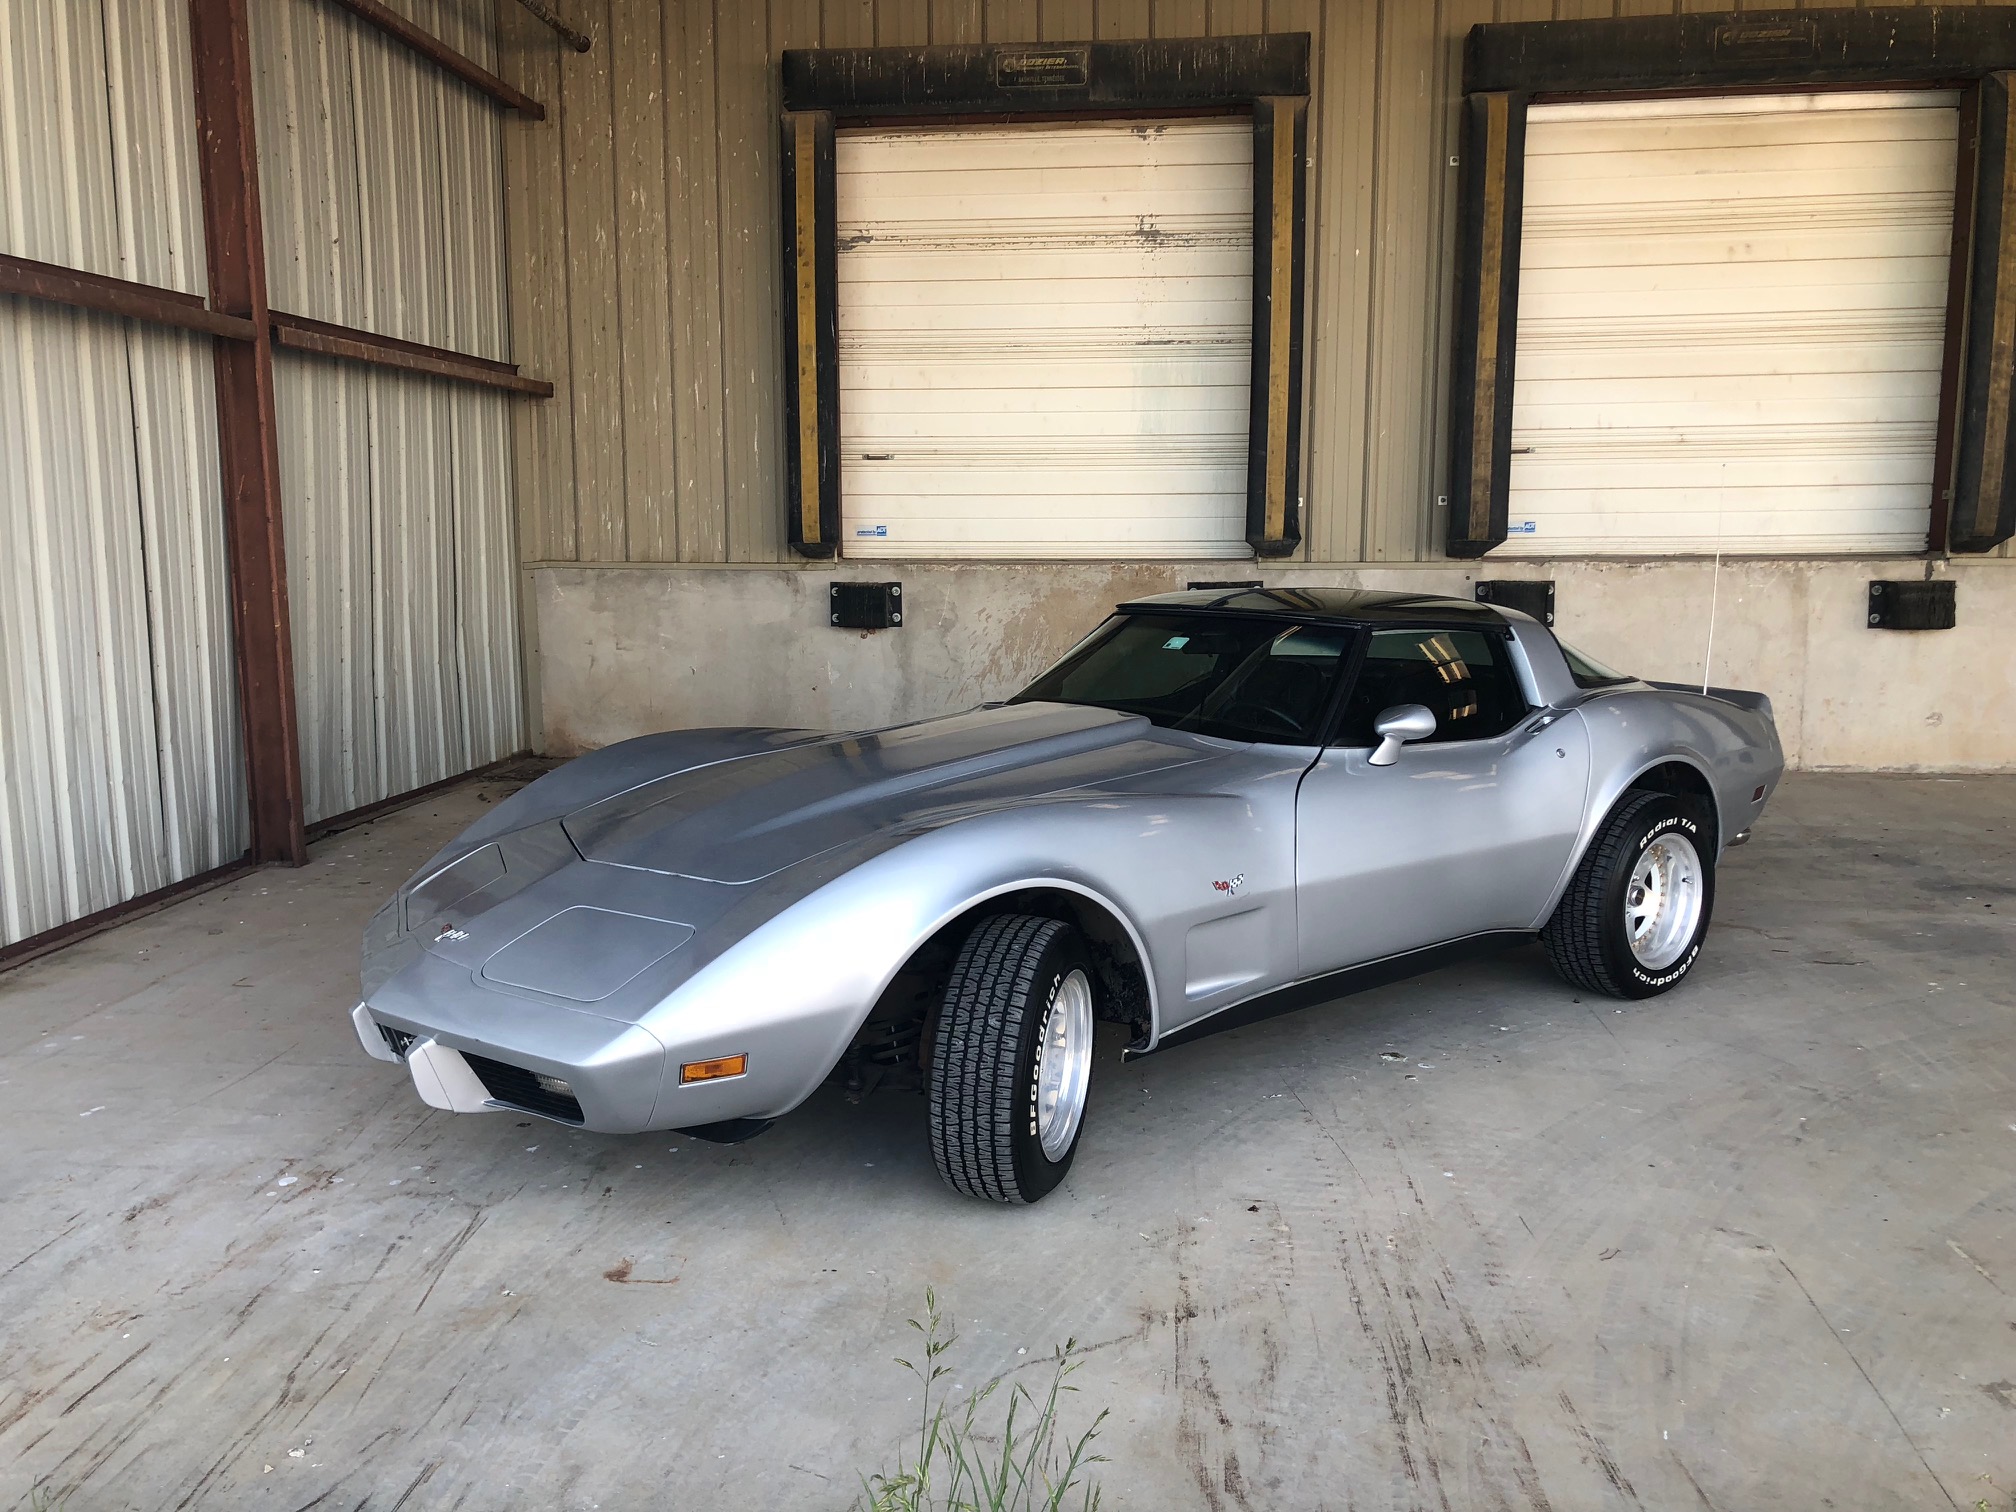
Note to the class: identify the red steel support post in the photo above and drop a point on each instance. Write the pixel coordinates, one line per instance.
(246, 427)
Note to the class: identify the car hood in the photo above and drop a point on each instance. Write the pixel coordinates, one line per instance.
(740, 820)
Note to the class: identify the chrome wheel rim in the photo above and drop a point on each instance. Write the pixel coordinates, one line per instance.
(1064, 1065)
(1662, 901)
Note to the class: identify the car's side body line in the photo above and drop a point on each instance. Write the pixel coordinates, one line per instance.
(845, 923)
(802, 871)
(1336, 984)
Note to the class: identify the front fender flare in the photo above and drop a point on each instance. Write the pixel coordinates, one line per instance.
(761, 990)
(1045, 883)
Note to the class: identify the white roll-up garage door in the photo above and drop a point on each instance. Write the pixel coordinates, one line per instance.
(1045, 339)
(1730, 322)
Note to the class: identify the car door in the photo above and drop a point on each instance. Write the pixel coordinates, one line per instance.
(1467, 831)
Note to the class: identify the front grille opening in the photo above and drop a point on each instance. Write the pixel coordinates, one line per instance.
(533, 1091)
(400, 1040)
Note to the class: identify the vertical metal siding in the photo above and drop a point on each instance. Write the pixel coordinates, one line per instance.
(199, 741)
(325, 460)
(384, 193)
(675, 130)
(382, 179)
(82, 806)
(121, 769)
(158, 191)
(56, 183)
(97, 139)
(542, 435)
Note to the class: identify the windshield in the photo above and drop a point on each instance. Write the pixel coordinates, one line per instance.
(1238, 679)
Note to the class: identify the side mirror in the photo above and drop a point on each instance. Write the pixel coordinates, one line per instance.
(1396, 727)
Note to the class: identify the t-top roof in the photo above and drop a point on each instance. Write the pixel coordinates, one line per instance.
(1354, 606)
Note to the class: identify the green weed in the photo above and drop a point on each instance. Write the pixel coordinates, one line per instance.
(957, 1465)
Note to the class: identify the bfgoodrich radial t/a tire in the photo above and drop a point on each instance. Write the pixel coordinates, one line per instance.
(1634, 916)
(1012, 1059)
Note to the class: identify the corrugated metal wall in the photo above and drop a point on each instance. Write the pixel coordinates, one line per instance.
(383, 195)
(644, 260)
(121, 769)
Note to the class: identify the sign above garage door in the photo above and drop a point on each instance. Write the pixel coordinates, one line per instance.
(1731, 320)
(1045, 339)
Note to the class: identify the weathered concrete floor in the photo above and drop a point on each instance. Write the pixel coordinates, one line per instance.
(1749, 1246)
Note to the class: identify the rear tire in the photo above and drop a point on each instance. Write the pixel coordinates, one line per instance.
(1011, 1061)
(1635, 913)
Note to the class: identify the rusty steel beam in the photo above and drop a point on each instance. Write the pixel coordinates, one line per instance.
(579, 41)
(442, 56)
(247, 428)
(116, 296)
(304, 335)
(99, 292)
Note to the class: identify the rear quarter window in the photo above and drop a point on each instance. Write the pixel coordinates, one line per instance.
(1589, 672)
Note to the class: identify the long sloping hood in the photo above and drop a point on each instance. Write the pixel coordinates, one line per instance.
(741, 820)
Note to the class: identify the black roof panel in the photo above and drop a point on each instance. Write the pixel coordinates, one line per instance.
(1353, 606)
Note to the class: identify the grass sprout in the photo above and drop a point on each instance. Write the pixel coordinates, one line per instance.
(961, 1464)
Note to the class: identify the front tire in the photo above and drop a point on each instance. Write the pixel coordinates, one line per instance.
(1012, 1060)
(1635, 914)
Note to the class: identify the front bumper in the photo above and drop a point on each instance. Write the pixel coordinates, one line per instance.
(465, 1082)
(472, 1049)
(605, 1083)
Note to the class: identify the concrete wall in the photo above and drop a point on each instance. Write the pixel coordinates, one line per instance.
(623, 651)
(643, 221)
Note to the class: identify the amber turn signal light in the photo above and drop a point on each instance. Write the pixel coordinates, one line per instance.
(713, 1070)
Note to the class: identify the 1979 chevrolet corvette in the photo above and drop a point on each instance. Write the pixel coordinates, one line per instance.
(1220, 805)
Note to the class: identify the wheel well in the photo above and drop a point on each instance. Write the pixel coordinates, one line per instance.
(1122, 973)
(893, 1045)
(1684, 780)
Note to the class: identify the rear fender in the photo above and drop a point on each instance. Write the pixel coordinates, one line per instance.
(1603, 797)
(1734, 748)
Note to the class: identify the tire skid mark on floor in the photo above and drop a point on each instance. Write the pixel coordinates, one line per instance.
(125, 1425)
(1449, 1386)
(35, 1396)
(85, 1395)
(71, 1226)
(448, 1254)
(1597, 1450)
(1204, 1429)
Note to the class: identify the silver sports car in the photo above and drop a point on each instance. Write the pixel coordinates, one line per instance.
(1219, 806)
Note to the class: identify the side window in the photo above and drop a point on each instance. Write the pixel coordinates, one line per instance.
(1465, 678)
